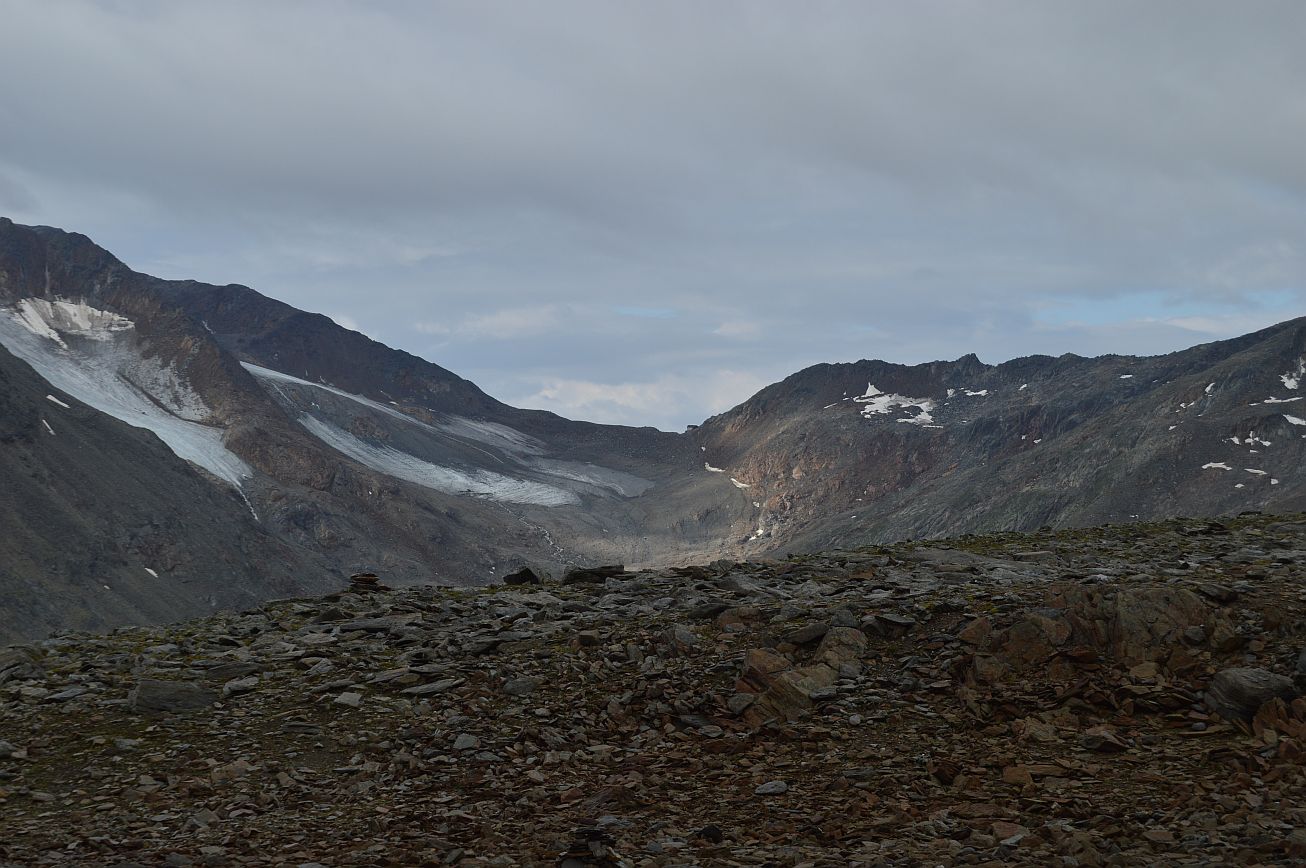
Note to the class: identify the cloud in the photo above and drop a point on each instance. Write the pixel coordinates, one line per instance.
(738, 329)
(614, 194)
(500, 325)
(15, 197)
(660, 399)
(645, 312)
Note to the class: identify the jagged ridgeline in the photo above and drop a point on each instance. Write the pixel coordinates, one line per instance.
(1121, 695)
(172, 447)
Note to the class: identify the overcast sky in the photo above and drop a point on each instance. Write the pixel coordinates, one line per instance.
(644, 212)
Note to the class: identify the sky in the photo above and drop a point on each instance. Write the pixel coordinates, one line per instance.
(641, 213)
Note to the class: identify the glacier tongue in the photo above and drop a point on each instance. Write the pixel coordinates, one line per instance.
(505, 446)
(447, 479)
(78, 350)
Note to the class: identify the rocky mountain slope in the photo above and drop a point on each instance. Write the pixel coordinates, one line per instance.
(88, 537)
(332, 452)
(874, 452)
(348, 455)
(1113, 695)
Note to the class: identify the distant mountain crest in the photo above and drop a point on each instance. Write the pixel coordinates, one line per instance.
(281, 451)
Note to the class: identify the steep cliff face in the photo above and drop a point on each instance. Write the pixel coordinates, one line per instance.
(307, 449)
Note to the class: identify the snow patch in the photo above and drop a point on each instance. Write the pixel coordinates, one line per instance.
(1216, 465)
(162, 383)
(710, 469)
(490, 433)
(1293, 420)
(739, 484)
(1275, 401)
(47, 426)
(880, 403)
(270, 376)
(1292, 379)
(401, 465)
(1126, 376)
(52, 399)
(468, 432)
(57, 319)
(1257, 472)
(110, 376)
(625, 484)
(151, 572)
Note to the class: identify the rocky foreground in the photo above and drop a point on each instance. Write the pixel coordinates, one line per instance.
(1118, 695)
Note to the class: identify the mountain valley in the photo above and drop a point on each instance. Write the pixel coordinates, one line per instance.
(171, 448)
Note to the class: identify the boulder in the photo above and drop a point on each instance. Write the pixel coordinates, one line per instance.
(681, 638)
(1131, 626)
(1237, 694)
(890, 624)
(524, 576)
(1034, 639)
(152, 695)
(840, 645)
(523, 686)
(20, 663)
(977, 632)
(227, 671)
(592, 575)
(805, 635)
(782, 691)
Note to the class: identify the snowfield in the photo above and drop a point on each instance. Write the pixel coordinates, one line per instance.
(401, 465)
(89, 354)
(55, 319)
(513, 447)
(880, 403)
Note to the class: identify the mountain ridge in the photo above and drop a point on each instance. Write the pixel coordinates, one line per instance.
(360, 456)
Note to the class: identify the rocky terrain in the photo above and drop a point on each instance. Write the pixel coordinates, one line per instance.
(1114, 695)
(172, 448)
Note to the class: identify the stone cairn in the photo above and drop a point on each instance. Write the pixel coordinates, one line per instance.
(366, 583)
